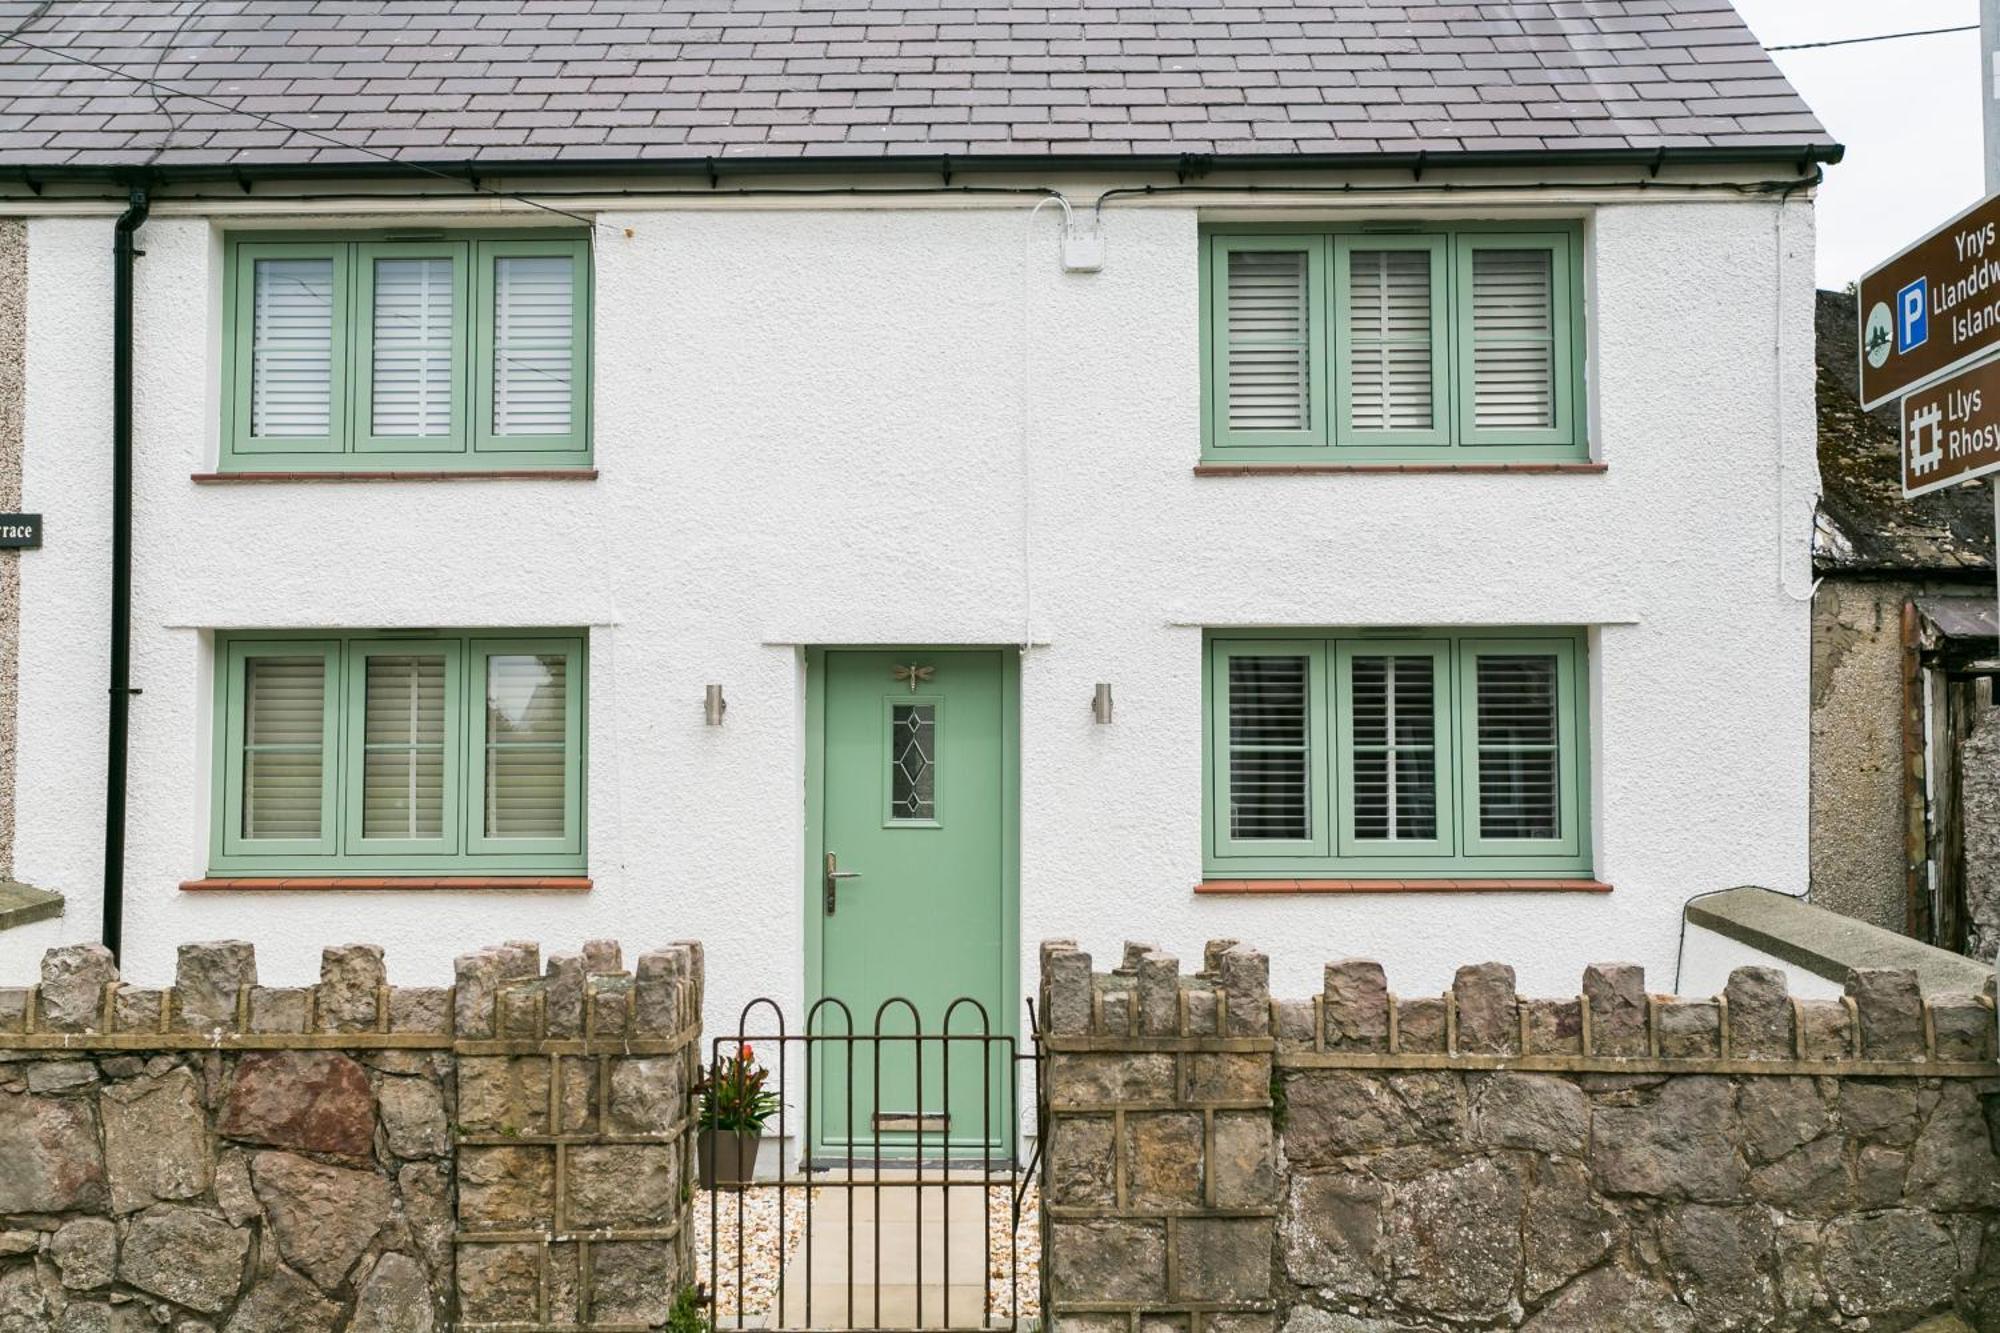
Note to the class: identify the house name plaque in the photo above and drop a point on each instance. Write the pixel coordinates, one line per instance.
(20, 530)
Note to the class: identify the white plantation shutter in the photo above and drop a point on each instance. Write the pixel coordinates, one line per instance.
(403, 744)
(534, 344)
(1270, 753)
(291, 348)
(1268, 373)
(1518, 737)
(1393, 747)
(284, 741)
(414, 326)
(527, 730)
(1513, 339)
(1389, 333)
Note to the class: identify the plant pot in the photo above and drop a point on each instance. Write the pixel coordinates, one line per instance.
(727, 1157)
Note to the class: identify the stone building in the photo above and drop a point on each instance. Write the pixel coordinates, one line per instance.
(1905, 776)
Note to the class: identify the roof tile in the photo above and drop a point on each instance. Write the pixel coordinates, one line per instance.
(521, 80)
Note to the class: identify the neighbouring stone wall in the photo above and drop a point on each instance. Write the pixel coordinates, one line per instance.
(1607, 1162)
(1858, 819)
(1979, 809)
(509, 1151)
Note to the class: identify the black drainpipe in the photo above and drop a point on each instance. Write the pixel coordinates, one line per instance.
(123, 253)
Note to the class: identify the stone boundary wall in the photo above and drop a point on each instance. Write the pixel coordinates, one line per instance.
(512, 1151)
(1357, 1162)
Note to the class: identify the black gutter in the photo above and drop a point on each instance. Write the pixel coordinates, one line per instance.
(711, 168)
(123, 254)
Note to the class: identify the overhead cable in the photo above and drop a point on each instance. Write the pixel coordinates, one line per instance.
(1878, 37)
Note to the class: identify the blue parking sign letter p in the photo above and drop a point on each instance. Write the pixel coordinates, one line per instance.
(1913, 321)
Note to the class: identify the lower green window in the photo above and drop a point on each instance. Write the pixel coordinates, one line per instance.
(399, 753)
(1397, 754)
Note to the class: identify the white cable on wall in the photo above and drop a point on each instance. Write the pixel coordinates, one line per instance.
(1779, 408)
(1022, 423)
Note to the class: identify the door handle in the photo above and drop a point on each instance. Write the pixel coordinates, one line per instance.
(834, 874)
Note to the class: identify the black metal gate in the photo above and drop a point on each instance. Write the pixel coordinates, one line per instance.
(913, 1216)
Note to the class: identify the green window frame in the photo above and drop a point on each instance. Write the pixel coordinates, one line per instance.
(1428, 753)
(458, 380)
(1472, 344)
(440, 749)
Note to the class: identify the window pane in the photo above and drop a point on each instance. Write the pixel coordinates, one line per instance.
(1269, 755)
(411, 374)
(1394, 745)
(284, 713)
(1268, 343)
(403, 736)
(1513, 327)
(527, 728)
(1519, 759)
(913, 761)
(533, 298)
(291, 348)
(1389, 339)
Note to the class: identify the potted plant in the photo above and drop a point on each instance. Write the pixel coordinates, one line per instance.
(734, 1106)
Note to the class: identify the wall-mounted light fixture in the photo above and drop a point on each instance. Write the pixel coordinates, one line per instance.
(713, 706)
(1100, 704)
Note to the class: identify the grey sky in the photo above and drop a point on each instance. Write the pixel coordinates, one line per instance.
(1908, 112)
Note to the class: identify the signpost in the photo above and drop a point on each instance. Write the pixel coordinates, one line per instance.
(1930, 325)
(1951, 429)
(1933, 308)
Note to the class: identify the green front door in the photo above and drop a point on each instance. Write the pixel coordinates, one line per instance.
(911, 890)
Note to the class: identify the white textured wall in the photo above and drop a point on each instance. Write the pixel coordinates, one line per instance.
(1708, 958)
(810, 430)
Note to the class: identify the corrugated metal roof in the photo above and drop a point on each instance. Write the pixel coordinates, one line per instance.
(542, 80)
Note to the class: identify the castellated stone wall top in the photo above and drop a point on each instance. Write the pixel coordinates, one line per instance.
(500, 993)
(1884, 1023)
(1217, 1161)
(513, 1151)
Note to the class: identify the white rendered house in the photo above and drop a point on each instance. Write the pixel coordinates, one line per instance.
(1180, 474)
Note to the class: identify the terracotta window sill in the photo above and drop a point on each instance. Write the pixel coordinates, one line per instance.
(489, 474)
(1402, 886)
(291, 883)
(1312, 469)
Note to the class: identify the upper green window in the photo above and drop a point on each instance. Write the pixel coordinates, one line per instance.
(1397, 754)
(358, 354)
(399, 753)
(1352, 344)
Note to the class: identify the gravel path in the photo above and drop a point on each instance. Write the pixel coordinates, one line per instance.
(754, 1214)
(1028, 1237)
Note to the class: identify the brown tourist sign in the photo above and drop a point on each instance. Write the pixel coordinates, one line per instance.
(1951, 429)
(1933, 308)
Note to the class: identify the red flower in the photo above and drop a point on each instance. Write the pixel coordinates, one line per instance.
(746, 1053)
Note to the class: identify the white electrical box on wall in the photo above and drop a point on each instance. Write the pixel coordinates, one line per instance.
(1082, 248)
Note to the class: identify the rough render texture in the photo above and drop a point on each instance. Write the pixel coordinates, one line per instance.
(402, 1177)
(778, 434)
(1611, 1160)
(1979, 805)
(13, 366)
(1857, 749)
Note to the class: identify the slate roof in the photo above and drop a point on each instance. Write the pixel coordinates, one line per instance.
(1865, 526)
(455, 80)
